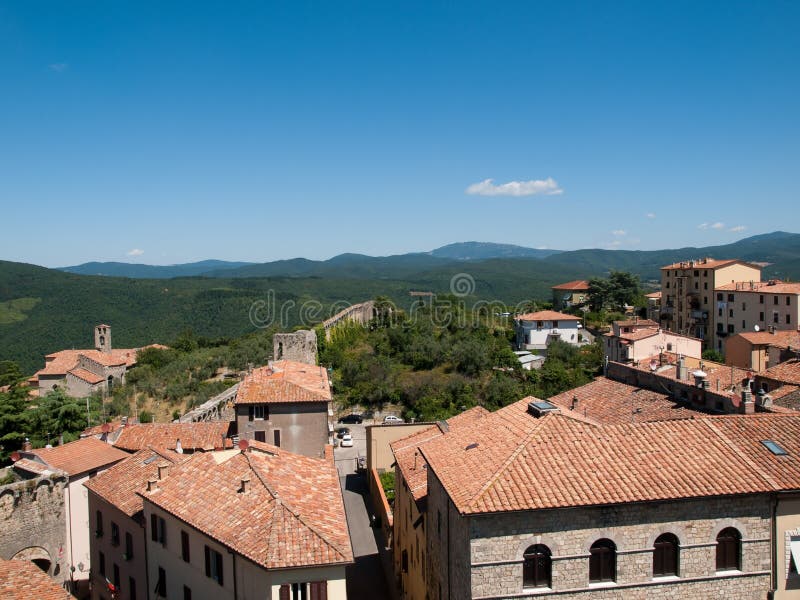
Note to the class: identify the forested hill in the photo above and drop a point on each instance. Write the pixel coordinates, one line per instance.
(44, 310)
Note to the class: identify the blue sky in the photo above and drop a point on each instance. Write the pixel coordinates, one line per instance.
(167, 132)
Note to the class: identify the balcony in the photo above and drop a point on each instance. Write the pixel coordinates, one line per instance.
(699, 314)
(667, 310)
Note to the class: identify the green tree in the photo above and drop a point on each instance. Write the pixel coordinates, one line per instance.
(713, 355)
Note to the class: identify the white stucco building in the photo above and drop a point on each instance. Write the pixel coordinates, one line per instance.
(537, 330)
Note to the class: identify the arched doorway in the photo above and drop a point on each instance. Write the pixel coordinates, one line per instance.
(37, 555)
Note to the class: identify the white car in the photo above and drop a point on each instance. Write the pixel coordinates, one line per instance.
(391, 420)
(347, 441)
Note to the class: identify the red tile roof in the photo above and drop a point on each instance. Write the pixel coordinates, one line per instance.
(207, 435)
(785, 372)
(546, 315)
(641, 323)
(119, 485)
(779, 339)
(522, 462)
(291, 516)
(761, 287)
(86, 376)
(410, 461)
(707, 263)
(653, 295)
(285, 381)
(80, 456)
(32, 466)
(577, 285)
(23, 580)
(613, 402)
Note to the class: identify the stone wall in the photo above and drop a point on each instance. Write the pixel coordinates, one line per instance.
(497, 543)
(33, 523)
(300, 346)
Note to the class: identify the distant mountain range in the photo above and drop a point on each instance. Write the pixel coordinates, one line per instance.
(44, 310)
(780, 248)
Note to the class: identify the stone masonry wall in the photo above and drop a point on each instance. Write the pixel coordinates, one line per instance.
(33, 522)
(499, 541)
(300, 346)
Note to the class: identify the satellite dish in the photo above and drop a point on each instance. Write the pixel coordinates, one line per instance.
(105, 428)
(15, 456)
(243, 445)
(653, 365)
(756, 328)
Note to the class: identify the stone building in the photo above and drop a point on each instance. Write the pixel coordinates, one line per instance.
(287, 404)
(300, 346)
(537, 500)
(79, 461)
(82, 373)
(256, 524)
(760, 350)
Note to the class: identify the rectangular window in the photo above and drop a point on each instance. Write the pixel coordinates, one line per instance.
(697, 285)
(775, 300)
(744, 305)
(730, 297)
(775, 317)
(788, 319)
(185, 546)
(259, 412)
(187, 593)
(128, 546)
(730, 328)
(131, 588)
(250, 413)
(761, 316)
(705, 299)
(102, 566)
(744, 326)
(667, 284)
(719, 297)
(788, 300)
(276, 435)
(719, 312)
(697, 273)
(116, 575)
(261, 436)
(158, 530)
(705, 285)
(730, 313)
(114, 534)
(214, 565)
(761, 299)
(98, 524)
(161, 584)
(319, 590)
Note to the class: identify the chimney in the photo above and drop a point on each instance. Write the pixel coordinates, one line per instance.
(682, 371)
(574, 404)
(748, 406)
(162, 471)
(27, 446)
(245, 484)
(178, 447)
(152, 485)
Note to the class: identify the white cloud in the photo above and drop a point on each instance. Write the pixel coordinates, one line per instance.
(738, 228)
(717, 225)
(614, 244)
(651, 215)
(534, 187)
(618, 232)
(134, 252)
(59, 67)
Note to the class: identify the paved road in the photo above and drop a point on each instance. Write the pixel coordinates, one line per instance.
(364, 578)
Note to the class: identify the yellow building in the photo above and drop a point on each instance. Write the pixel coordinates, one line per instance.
(689, 305)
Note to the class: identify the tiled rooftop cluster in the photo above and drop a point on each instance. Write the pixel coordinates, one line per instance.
(285, 381)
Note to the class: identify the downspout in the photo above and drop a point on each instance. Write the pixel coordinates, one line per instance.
(774, 548)
(235, 582)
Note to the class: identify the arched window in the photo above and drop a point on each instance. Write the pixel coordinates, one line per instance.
(536, 567)
(729, 549)
(603, 561)
(665, 555)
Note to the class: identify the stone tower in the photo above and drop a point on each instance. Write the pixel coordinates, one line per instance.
(300, 346)
(102, 338)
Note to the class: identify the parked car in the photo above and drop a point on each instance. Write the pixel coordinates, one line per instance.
(347, 441)
(342, 431)
(361, 464)
(351, 418)
(391, 420)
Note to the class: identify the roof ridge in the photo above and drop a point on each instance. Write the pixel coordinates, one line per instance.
(507, 463)
(282, 506)
(742, 455)
(263, 481)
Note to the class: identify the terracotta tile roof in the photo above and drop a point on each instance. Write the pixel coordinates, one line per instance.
(285, 381)
(23, 580)
(207, 435)
(59, 363)
(102, 428)
(291, 516)
(80, 456)
(410, 461)
(577, 285)
(32, 466)
(86, 376)
(706, 263)
(523, 463)
(761, 287)
(723, 378)
(654, 295)
(546, 315)
(641, 323)
(785, 372)
(780, 339)
(635, 336)
(120, 484)
(613, 402)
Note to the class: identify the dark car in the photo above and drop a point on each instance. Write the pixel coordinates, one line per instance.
(341, 431)
(351, 418)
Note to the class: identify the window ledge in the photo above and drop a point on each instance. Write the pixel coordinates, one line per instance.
(727, 572)
(536, 590)
(602, 584)
(666, 578)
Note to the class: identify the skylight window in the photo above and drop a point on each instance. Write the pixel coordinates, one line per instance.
(774, 447)
(150, 459)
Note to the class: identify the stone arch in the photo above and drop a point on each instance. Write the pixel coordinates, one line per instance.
(551, 541)
(724, 524)
(37, 555)
(608, 534)
(674, 528)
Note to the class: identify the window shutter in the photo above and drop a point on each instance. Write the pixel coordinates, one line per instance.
(285, 591)
(220, 569)
(319, 590)
(208, 562)
(154, 528)
(250, 412)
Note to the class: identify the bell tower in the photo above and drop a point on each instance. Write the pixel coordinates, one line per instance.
(102, 338)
